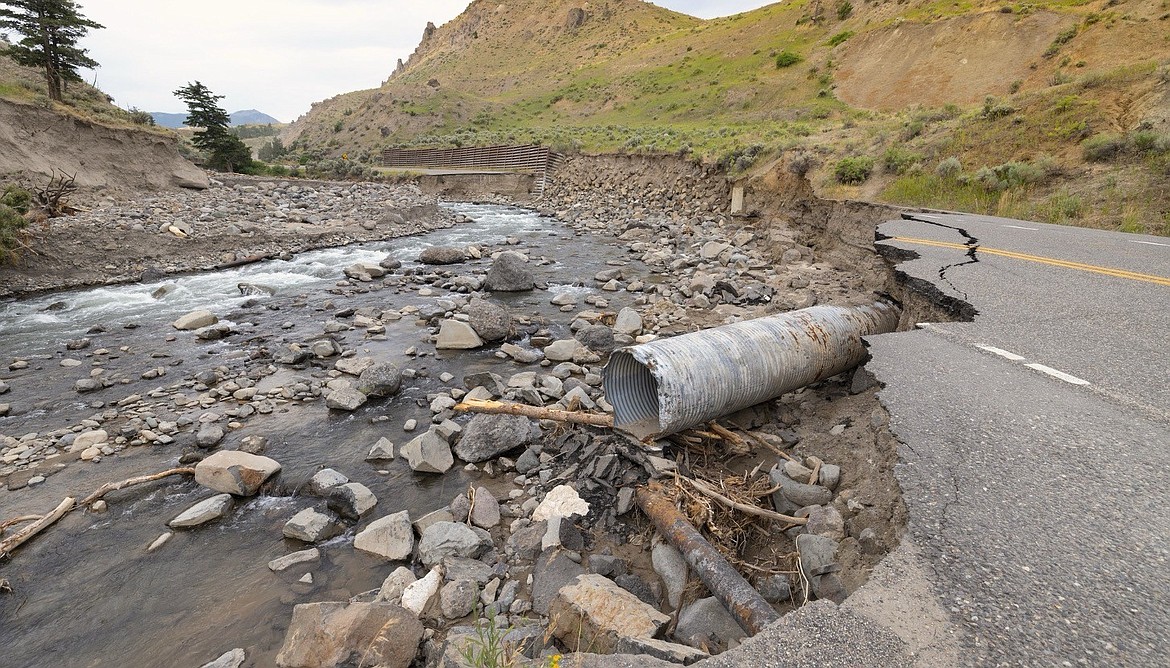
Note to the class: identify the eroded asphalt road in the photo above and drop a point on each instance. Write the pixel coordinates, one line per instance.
(1036, 463)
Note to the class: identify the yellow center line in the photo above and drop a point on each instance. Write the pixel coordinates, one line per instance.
(1105, 271)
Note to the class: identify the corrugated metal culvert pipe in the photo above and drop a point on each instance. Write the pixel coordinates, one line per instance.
(666, 386)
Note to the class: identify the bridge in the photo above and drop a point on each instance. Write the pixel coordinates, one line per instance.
(539, 161)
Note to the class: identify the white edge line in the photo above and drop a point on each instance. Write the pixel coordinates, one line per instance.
(1017, 227)
(1002, 353)
(1058, 374)
(1149, 243)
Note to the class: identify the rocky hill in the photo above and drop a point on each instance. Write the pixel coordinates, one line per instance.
(900, 87)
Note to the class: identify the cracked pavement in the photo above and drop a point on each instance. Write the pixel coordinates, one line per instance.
(1036, 456)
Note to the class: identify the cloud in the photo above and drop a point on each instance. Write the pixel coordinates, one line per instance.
(278, 56)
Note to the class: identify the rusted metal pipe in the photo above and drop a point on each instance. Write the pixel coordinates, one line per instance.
(663, 387)
(750, 610)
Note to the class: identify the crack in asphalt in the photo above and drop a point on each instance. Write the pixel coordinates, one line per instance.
(972, 244)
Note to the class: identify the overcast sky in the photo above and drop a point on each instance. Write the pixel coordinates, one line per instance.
(278, 56)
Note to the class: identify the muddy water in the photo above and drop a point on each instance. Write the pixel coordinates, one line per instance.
(86, 593)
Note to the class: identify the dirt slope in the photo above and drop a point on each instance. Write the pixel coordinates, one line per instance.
(34, 141)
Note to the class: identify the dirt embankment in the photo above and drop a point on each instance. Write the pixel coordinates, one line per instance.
(35, 141)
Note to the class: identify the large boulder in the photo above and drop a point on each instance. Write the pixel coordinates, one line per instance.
(428, 453)
(442, 255)
(487, 436)
(311, 526)
(598, 338)
(195, 320)
(706, 623)
(449, 539)
(235, 472)
(351, 500)
(391, 537)
(345, 400)
(457, 335)
(380, 380)
(326, 635)
(509, 273)
(629, 322)
(491, 321)
(592, 614)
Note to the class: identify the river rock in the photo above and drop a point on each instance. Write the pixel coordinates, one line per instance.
(521, 354)
(390, 537)
(485, 512)
(554, 569)
(487, 436)
(394, 585)
(562, 351)
(509, 273)
(706, 623)
(202, 512)
(382, 450)
(457, 598)
(354, 366)
(672, 568)
(794, 495)
(195, 320)
(4, 387)
(428, 453)
(442, 255)
(311, 526)
(592, 613)
(85, 385)
(817, 555)
(598, 338)
(491, 321)
(421, 594)
(233, 659)
(281, 564)
(327, 635)
(235, 472)
(209, 436)
(345, 400)
(448, 539)
(629, 322)
(561, 501)
(457, 335)
(380, 380)
(660, 649)
(325, 480)
(351, 500)
(88, 439)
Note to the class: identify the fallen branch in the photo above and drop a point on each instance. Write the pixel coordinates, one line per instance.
(535, 412)
(115, 486)
(743, 507)
(18, 520)
(16, 540)
(761, 441)
(816, 474)
(736, 444)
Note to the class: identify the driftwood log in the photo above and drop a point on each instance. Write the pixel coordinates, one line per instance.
(535, 412)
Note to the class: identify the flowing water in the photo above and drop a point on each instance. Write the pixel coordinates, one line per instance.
(87, 593)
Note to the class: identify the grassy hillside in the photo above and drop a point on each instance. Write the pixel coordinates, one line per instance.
(24, 84)
(1056, 109)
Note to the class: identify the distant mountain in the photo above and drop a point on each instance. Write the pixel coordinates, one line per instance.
(245, 117)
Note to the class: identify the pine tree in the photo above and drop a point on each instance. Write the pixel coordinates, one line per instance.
(226, 151)
(50, 29)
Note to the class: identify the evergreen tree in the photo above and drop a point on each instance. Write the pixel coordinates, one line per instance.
(50, 29)
(226, 152)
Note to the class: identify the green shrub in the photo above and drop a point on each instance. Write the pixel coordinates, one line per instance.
(844, 10)
(852, 171)
(950, 168)
(13, 233)
(1014, 174)
(840, 37)
(17, 198)
(787, 58)
(1063, 37)
(898, 160)
(1103, 148)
